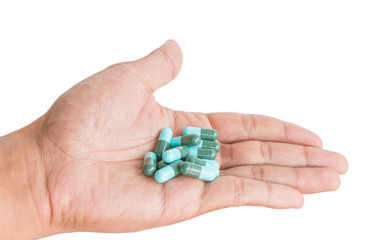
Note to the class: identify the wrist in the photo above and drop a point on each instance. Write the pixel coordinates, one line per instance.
(24, 202)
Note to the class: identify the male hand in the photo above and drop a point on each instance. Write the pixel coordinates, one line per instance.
(93, 139)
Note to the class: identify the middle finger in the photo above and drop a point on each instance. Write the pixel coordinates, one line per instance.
(279, 154)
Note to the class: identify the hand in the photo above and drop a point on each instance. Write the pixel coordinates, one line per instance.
(93, 139)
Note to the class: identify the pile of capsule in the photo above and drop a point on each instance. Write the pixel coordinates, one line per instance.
(192, 154)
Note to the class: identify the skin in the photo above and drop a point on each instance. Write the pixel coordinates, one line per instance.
(79, 166)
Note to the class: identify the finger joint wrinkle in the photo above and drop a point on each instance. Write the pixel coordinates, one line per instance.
(285, 130)
(174, 119)
(269, 192)
(297, 175)
(306, 157)
(238, 189)
(246, 126)
(202, 199)
(257, 172)
(226, 153)
(211, 121)
(266, 152)
(168, 61)
(163, 201)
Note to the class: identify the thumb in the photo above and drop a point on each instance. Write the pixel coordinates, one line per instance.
(158, 68)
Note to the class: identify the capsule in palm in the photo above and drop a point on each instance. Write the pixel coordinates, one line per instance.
(170, 171)
(205, 133)
(160, 164)
(188, 140)
(175, 154)
(163, 142)
(197, 171)
(205, 163)
(202, 153)
(149, 166)
(209, 144)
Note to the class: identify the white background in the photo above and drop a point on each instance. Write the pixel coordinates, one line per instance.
(325, 65)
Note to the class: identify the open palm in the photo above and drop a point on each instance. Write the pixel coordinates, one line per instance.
(95, 135)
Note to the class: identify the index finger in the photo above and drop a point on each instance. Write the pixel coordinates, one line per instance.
(235, 127)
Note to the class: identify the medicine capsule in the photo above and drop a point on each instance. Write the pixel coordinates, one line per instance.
(168, 172)
(205, 133)
(188, 140)
(202, 153)
(163, 143)
(209, 144)
(175, 154)
(205, 163)
(149, 166)
(212, 163)
(160, 164)
(197, 171)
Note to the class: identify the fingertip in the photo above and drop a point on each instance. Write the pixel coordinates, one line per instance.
(299, 199)
(317, 141)
(316, 180)
(330, 178)
(336, 182)
(171, 42)
(287, 197)
(313, 139)
(174, 55)
(300, 202)
(172, 45)
(303, 136)
(345, 164)
(342, 164)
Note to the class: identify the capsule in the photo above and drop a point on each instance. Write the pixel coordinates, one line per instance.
(149, 166)
(163, 143)
(197, 171)
(212, 163)
(168, 172)
(188, 140)
(160, 164)
(205, 133)
(209, 144)
(205, 163)
(203, 153)
(175, 154)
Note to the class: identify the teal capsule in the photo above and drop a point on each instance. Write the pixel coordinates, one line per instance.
(149, 166)
(163, 142)
(203, 153)
(209, 144)
(205, 133)
(205, 163)
(212, 163)
(188, 140)
(197, 171)
(175, 154)
(160, 164)
(168, 172)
